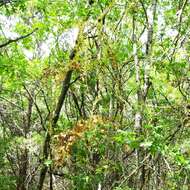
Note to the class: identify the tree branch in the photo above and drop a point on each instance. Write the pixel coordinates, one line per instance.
(17, 39)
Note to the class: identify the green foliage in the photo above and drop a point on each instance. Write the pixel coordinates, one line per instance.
(124, 123)
(7, 182)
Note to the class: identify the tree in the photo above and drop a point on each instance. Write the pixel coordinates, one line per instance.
(94, 95)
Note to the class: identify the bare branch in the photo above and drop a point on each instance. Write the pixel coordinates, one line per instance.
(17, 39)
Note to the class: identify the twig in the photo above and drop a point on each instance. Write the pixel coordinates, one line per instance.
(14, 104)
(135, 170)
(17, 39)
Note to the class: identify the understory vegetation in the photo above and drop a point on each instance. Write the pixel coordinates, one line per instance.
(94, 95)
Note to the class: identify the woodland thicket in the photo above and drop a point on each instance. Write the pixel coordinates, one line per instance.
(94, 95)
